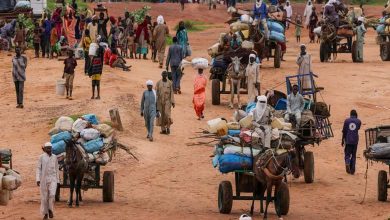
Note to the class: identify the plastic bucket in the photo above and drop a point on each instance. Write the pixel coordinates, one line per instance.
(60, 88)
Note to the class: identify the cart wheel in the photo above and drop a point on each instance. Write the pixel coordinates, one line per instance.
(58, 191)
(215, 91)
(225, 197)
(308, 167)
(323, 52)
(385, 51)
(108, 186)
(277, 56)
(382, 186)
(354, 52)
(282, 202)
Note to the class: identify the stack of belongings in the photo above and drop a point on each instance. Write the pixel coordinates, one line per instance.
(10, 180)
(381, 149)
(239, 142)
(240, 27)
(94, 137)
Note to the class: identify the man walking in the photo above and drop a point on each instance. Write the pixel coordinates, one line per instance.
(252, 74)
(175, 56)
(47, 177)
(160, 33)
(350, 141)
(149, 108)
(165, 101)
(19, 64)
(70, 65)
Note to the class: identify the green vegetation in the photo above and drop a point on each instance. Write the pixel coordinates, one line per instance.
(193, 26)
(169, 40)
(139, 15)
(51, 4)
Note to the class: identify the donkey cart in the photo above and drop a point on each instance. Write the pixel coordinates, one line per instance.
(384, 46)
(91, 181)
(244, 183)
(377, 135)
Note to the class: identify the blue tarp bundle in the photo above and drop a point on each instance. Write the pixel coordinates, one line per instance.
(275, 26)
(231, 162)
(234, 132)
(94, 145)
(276, 36)
(379, 151)
(62, 136)
(59, 147)
(91, 118)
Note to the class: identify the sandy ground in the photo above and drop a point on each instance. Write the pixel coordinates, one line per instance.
(172, 180)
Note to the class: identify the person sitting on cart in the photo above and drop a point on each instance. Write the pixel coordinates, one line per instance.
(260, 13)
(235, 43)
(262, 118)
(295, 106)
(350, 141)
(330, 13)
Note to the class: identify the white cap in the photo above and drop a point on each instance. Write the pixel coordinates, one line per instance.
(303, 45)
(149, 83)
(48, 144)
(361, 19)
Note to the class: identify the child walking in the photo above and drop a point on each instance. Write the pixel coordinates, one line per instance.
(298, 21)
(70, 65)
(37, 39)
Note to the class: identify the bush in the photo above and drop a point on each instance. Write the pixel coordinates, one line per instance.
(193, 25)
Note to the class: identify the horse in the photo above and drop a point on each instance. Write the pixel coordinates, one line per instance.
(76, 165)
(235, 74)
(270, 170)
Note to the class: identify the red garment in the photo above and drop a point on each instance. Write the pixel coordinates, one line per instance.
(144, 27)
(113, 58)
(283, 46)
(199, 99)
(107, 56)
(112, 19)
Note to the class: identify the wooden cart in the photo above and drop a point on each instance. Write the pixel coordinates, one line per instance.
(372, 136)
(244, 184)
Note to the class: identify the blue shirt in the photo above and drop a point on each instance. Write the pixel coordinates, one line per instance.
(351, 130)
(261, 12)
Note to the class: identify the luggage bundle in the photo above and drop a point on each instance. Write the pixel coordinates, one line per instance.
(240, 141)
(10, 180)
(88, 132)
(378, 151)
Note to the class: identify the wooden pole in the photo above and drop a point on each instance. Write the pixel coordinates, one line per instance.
(116, 119)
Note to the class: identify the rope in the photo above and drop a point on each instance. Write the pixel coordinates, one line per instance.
(365, 187)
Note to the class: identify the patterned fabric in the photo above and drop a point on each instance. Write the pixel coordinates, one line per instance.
(19, 68)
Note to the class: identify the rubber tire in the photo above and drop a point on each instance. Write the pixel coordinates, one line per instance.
(354, 52)
(58, 193)
(215, 91)
(385, 51)
(277, 56)
(108, 186)
(282, 202)
(225, 197)
(308, 167)
(382, 186)
(323, 52)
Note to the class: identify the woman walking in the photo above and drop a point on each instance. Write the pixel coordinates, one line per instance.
(142, 38)
(182, 38)
(199, 99)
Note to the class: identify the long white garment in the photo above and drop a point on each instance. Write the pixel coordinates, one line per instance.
(48, 175)
(252, 73)
(288, 11)
(304, 63)
(307, 12)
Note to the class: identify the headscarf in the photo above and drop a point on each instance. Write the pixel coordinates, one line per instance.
(112, 19)
(180, 29)
(331, 2)
(260, 107)
(144, 27)
(160, 19)
(149, 83)
(259, 3)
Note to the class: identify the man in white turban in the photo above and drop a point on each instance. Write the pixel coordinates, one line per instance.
(160, 34)
(307, 12)
(252, 73)
(47, 177)
(262, 118)
(149, 108)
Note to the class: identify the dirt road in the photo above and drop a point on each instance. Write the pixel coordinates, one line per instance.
(172, 180)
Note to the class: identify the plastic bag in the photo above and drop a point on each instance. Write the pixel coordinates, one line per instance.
(59, 147)
(105, 129)
(102, 158)
(63, 136)
(90, 134)
(200, 63)
(79, 125)
(91, 118)
(64, 123)
(94, 145)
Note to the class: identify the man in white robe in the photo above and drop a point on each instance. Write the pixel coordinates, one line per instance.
(252, 74)
(308, 11)
(304, 63)
(47, 177)
(262, 118)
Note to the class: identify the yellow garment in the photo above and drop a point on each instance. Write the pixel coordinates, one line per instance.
(245, 33)
(96, 77)
(86, 43)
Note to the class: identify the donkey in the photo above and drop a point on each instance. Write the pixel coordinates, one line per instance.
(235, 73)
(76, 165)
(270, 170)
